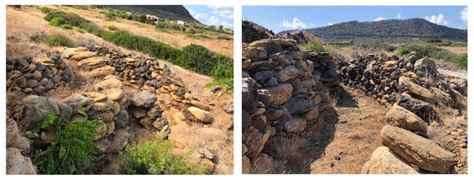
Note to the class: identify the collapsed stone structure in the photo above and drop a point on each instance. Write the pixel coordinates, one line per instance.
(284, 90)
(378, 75)
(128, 94)
(413, 86)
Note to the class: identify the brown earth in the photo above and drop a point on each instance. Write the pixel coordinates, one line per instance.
(356, 133)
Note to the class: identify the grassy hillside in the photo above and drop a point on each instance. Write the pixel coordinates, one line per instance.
(194, 57)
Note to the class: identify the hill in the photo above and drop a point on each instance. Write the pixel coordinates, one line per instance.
(388, 30)
(170, 12)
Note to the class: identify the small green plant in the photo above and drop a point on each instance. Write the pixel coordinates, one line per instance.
(315, 46)
(72, 149)
(112, 27)
(58, 40)
(57, 22)
(51, 119)
(156, 157)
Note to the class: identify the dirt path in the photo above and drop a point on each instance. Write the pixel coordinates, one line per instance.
(356, 136)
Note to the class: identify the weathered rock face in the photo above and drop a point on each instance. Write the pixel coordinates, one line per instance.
(36, 108)
(422, 109)
(282, 91)
(252, 32)
(385, 161)
(400, 117)
(18, 164)
(415, 149)
(144, 99)
(426, 67)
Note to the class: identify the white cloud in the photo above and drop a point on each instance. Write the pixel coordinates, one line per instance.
(437, 19)
(379, 19)
(330, 23)
(399, 16)
(208, 19)
(223, 11)
(464, 14)
(311, 25)
(294, 24)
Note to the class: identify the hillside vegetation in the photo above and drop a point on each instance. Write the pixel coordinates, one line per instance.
(193, 57)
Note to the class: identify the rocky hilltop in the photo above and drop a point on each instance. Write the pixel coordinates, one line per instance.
(170, 12)
(388, 30)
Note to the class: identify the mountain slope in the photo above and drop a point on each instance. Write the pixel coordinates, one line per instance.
(170, 12)
(388, 30)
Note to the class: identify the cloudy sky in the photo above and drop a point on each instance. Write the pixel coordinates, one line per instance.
(213, 15)
(279, 18)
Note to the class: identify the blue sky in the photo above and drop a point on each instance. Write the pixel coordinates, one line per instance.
(279, 18)
(213, 15)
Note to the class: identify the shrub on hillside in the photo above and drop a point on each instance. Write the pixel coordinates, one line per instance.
(193, 57)
(426, 49)
(58, 40)
(69, 18)
(315, 46)
(156, 157)
(202, 60)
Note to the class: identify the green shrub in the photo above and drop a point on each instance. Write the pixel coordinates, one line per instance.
(45, 10)
(315, 46)
(112, 28)
(57, 22)
(58, 40)
(71, 151)
(69, 18)
(156, 157)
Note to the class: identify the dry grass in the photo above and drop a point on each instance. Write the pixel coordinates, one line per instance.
(456, 50)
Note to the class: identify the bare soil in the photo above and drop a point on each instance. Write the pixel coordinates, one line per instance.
(356, 133)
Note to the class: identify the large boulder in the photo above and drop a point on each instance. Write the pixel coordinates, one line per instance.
(288, 73)
(201, 115)
(401, 117)
(426, 67)
(300, 104)
(406, 84)
(18, 164)
(36, 108)
(79, 102)
(276, 95)
(420, 108)
(144, 99)
(385, 161)
(415, 149)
